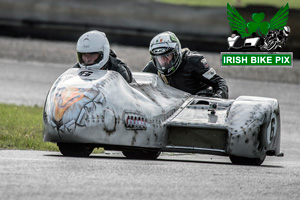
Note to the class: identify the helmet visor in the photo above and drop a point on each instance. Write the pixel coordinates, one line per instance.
(165, 63)
(88, 59)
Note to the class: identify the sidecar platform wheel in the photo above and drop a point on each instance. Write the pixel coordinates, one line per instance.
(75, 150)
(141, 154)
(247, 161)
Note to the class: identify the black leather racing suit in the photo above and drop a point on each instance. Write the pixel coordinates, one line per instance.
(115, 64)
(193, 75)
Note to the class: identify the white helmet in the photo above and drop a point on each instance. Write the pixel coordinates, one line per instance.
(286, 31)
(165, 50)
(93, 42)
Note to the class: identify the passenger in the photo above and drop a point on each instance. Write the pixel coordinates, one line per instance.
(183, 69)
(93, 52)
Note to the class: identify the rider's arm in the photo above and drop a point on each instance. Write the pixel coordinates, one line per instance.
(118, 65)
(208, 75)
(150, 68)
(124, 70)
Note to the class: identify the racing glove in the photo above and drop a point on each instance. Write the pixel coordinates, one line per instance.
(219, 94)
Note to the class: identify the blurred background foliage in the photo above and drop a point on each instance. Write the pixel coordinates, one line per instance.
(236, 3)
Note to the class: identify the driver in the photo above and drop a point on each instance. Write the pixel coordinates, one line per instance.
(93, 52)
(183, 69)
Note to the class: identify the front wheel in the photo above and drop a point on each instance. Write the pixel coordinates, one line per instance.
(247, 161)
(141, 154)
(75, 149)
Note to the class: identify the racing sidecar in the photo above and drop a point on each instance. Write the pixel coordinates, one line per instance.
(86, 109)
(237, 43)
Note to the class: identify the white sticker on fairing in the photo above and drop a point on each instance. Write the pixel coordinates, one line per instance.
(209, 74)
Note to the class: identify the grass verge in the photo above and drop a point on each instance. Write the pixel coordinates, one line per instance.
(236, 3)
(21, 128)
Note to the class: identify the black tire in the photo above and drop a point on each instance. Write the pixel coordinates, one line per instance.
(75, 150)
(271, 45)
(247, 161)
(141, 154)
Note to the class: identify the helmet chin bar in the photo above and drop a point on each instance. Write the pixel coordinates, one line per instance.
(92, 66)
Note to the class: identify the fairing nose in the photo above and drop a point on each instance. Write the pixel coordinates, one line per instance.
(74, 106)
(63, 99)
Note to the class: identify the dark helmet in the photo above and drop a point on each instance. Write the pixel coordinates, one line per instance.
(165, 50)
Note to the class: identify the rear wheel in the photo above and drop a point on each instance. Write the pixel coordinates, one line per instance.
(247, 161)
(141, 154)
(75, 149)
(271, 45)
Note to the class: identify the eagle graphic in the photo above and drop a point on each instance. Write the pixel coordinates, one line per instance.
(258, 25)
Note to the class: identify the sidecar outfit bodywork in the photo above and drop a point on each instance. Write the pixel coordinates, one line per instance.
(85, 109)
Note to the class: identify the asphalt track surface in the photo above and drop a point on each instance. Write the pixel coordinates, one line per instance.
(49, 175)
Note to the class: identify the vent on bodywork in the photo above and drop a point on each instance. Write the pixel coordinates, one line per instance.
(200, 102)
(135, 121)
(199, 138)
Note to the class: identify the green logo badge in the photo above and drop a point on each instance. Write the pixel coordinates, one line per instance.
(258, 25)
(258, 34)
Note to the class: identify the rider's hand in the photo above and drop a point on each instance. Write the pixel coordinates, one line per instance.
(218, 94)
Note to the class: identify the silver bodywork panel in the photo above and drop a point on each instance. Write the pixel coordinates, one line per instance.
(99, 107)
